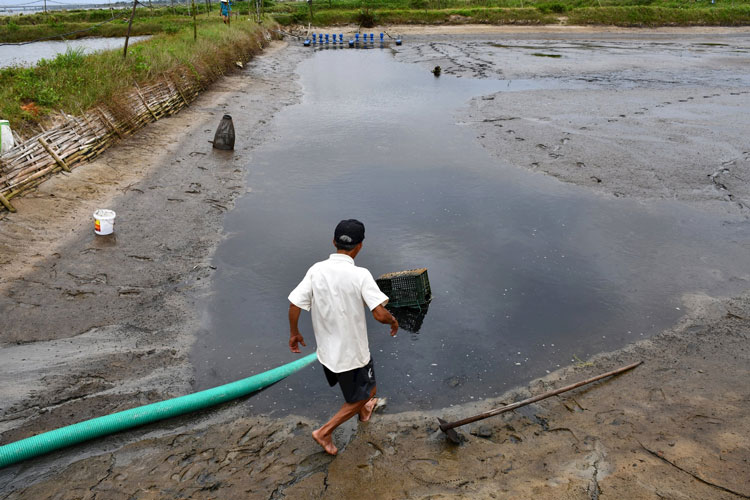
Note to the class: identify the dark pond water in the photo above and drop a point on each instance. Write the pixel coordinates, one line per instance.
(527, 273)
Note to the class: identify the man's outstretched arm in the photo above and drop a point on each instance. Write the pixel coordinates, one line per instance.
(295, 336)
(382, 315)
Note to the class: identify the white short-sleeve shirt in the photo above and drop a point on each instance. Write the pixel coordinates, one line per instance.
(336, 292)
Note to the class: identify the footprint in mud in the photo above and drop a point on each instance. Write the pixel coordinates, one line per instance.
(520, 139)
(595, 179)
(534, 165)
(564, 140)
(542, 146)
(622, 116)
(683, 100)
(580, 164)
(554, 155)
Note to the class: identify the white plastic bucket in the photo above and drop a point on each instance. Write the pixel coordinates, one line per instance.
(6, 136)
(104, 221)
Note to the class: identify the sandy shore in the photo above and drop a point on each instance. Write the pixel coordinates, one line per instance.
(92, 326)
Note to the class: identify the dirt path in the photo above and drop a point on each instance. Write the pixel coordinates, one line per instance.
(94, 325)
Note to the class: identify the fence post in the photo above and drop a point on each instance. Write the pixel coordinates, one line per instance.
(195, 27)
(127, 36)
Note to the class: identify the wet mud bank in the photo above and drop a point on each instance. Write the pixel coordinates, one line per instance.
(625, 113)
(92, 326)
(675, 427)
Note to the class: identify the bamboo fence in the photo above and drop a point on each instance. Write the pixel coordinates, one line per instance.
(79, 139)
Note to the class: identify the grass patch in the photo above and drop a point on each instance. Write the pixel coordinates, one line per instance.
(74, 82)
(333, 17)
(650, 16)
(611, 12)
(26, 27)
(371, 12)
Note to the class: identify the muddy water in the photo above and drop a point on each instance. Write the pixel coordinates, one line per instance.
(527, 273)
(32, 53)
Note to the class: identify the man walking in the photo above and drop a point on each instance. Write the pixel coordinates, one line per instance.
(335, 291)
(226, 10)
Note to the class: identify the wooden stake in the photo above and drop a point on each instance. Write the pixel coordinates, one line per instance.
(7, 204)
(107, 122)
(54, 155)
(195, 27)
(179, 91)
(127, 36)
(143, 100)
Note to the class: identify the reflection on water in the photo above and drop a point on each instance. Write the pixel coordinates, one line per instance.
(410, 319)
(526, 272)
(32, 53)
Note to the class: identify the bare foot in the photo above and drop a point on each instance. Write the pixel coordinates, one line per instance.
(366, 412)
(327, 444)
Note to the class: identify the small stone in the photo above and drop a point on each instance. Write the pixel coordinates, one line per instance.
(483, 431)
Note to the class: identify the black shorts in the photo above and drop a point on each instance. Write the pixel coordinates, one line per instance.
(356, 384)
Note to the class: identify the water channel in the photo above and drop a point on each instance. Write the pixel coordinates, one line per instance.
(31, 53)
(527, 273)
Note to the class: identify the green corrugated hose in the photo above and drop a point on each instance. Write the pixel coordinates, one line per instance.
(108, 424)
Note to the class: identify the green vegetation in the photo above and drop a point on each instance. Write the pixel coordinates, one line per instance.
(74, 82)
(25, 27)
(608, 12)
(149, 21)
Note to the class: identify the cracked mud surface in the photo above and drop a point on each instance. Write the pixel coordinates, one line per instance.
(92, 326)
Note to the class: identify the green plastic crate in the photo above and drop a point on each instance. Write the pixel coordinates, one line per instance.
(406, 288)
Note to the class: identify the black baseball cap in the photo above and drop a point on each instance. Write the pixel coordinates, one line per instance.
(349, 232)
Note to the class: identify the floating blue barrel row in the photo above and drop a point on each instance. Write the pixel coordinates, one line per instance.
(327, 38)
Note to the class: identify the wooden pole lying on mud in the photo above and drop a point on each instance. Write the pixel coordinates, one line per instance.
(447, 427)
(127, 36)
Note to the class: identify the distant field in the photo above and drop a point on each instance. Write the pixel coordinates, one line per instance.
(642, 13)
(367, 13)
(74, 82)
(105, 22)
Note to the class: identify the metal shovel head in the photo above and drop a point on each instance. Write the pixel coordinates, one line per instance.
(449, 432)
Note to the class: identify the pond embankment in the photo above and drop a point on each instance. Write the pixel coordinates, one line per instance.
(104, 97)
(92, 326)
